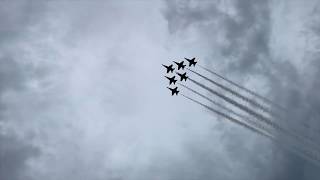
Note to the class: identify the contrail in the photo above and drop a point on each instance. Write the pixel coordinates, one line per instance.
(245, 118)
(228, 117)
(259, 116)
(235, 103)
(265, 109)
(300, 152)
(212, 101)
(243, 88)
(278, 107)
(245, 98)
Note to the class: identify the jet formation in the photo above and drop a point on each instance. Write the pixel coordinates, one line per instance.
(183, 75)
(169, 68)
(262, 116)
(191, 61)
(174, 90)
(172, 79)
(180, 65)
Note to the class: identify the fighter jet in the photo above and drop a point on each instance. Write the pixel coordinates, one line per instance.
(171, 79)
(191, 61)
(180, 65)
(183, 76)
(174, 91)
(169, 68)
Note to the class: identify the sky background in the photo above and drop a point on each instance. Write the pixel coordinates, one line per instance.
(82, 93)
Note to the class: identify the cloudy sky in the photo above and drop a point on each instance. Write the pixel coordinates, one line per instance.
(82, 93)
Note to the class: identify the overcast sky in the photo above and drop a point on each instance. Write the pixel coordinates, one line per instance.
(82, 92)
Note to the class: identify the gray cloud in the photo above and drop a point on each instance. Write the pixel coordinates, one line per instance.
(245, 32)
(14, 152)
(248, 48)
(14, 155)
(78, 90)
(82, 94)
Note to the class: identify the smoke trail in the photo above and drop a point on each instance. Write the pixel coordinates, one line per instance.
(265, 109)
(229, 117)
(245, 118)
(259, 116)
(235, 103)
(300, 152)
(251, 92)
(243, 88)
(212, 101)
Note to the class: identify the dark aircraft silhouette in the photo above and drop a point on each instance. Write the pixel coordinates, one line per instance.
(191, 61)
(169, 68)
(171, 79)
(183, 76)
(174, 91)
(180, 65)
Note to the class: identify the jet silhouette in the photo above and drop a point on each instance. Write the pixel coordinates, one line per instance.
(169, 68)
(171, 79)
(180, 65)
(191, 61)
(174, 91)
(183, 76)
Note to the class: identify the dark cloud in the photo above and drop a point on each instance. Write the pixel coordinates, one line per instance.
(15, 19)
(14, 155)
(246, 33)
(247, 36)
(13, 25)
(303, 115)
(181, 15)
(297, 90)
(11, 74)
(67, 69)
